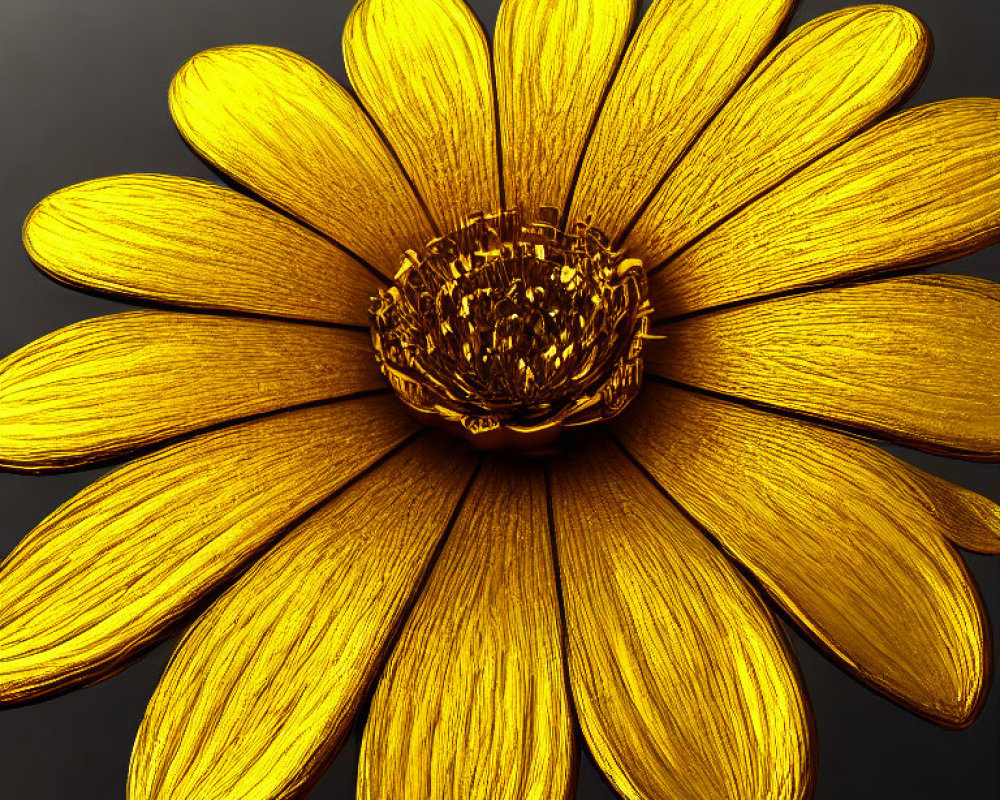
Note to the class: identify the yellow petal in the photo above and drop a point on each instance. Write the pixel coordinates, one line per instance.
(473, 701)
(914, 359)
(280, 125)
(422, 69)
(686, 58)
(553, 59)
(844, 537)
(111, 384)
(191, 243)
(825, 82)
(683, 683)
(261, 692)
(917, 189)
(109, 572)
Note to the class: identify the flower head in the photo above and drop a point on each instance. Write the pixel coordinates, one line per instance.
(649, 261)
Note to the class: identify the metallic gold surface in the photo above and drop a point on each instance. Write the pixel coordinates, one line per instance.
(740, 183)
(192, 243)
(825, 82)
(913, 359)
(109, 572)
(848, 540)
(281, 663)
(685, 59)
(507, 330)
(553, 60)
(422, 69)
(683, 682)
(111, 384)
(280, 125)
(919, 188)
(473, 701)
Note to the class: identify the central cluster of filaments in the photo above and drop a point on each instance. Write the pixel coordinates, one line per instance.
(509, 330)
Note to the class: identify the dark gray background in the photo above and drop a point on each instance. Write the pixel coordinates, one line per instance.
(83, 94)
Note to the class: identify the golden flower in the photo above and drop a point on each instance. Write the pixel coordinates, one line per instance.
(520, 192)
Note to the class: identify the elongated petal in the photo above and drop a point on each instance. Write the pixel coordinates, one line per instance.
(847, 539)
(821, 85)
(280, 125)
(682, 681)
(914, 359)
(553, 59)
(422, 69)
(109, 572)
(278, 667)
(192, 243)
(473, 702)
(108, 385)
(686, 58)
(917, 189)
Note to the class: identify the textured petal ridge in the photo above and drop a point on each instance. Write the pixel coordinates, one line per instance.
(284, 128)
(281, 662)
(914, 359)
(915, 190)
(111, 571)
(473, 700)
(422, 69)
(553, 61)
(824, 83)
(684, 61)
(683, 683)
(108, 385)
(185, 242)
(851, 542)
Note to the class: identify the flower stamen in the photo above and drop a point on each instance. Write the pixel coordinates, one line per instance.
(507, 331)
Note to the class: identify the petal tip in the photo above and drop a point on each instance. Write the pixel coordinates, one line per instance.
(30, 225)
(190, 68)
(51, 208)
(957, 703)
(961, 711)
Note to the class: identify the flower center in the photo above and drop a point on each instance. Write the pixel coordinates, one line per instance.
(506, 331)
